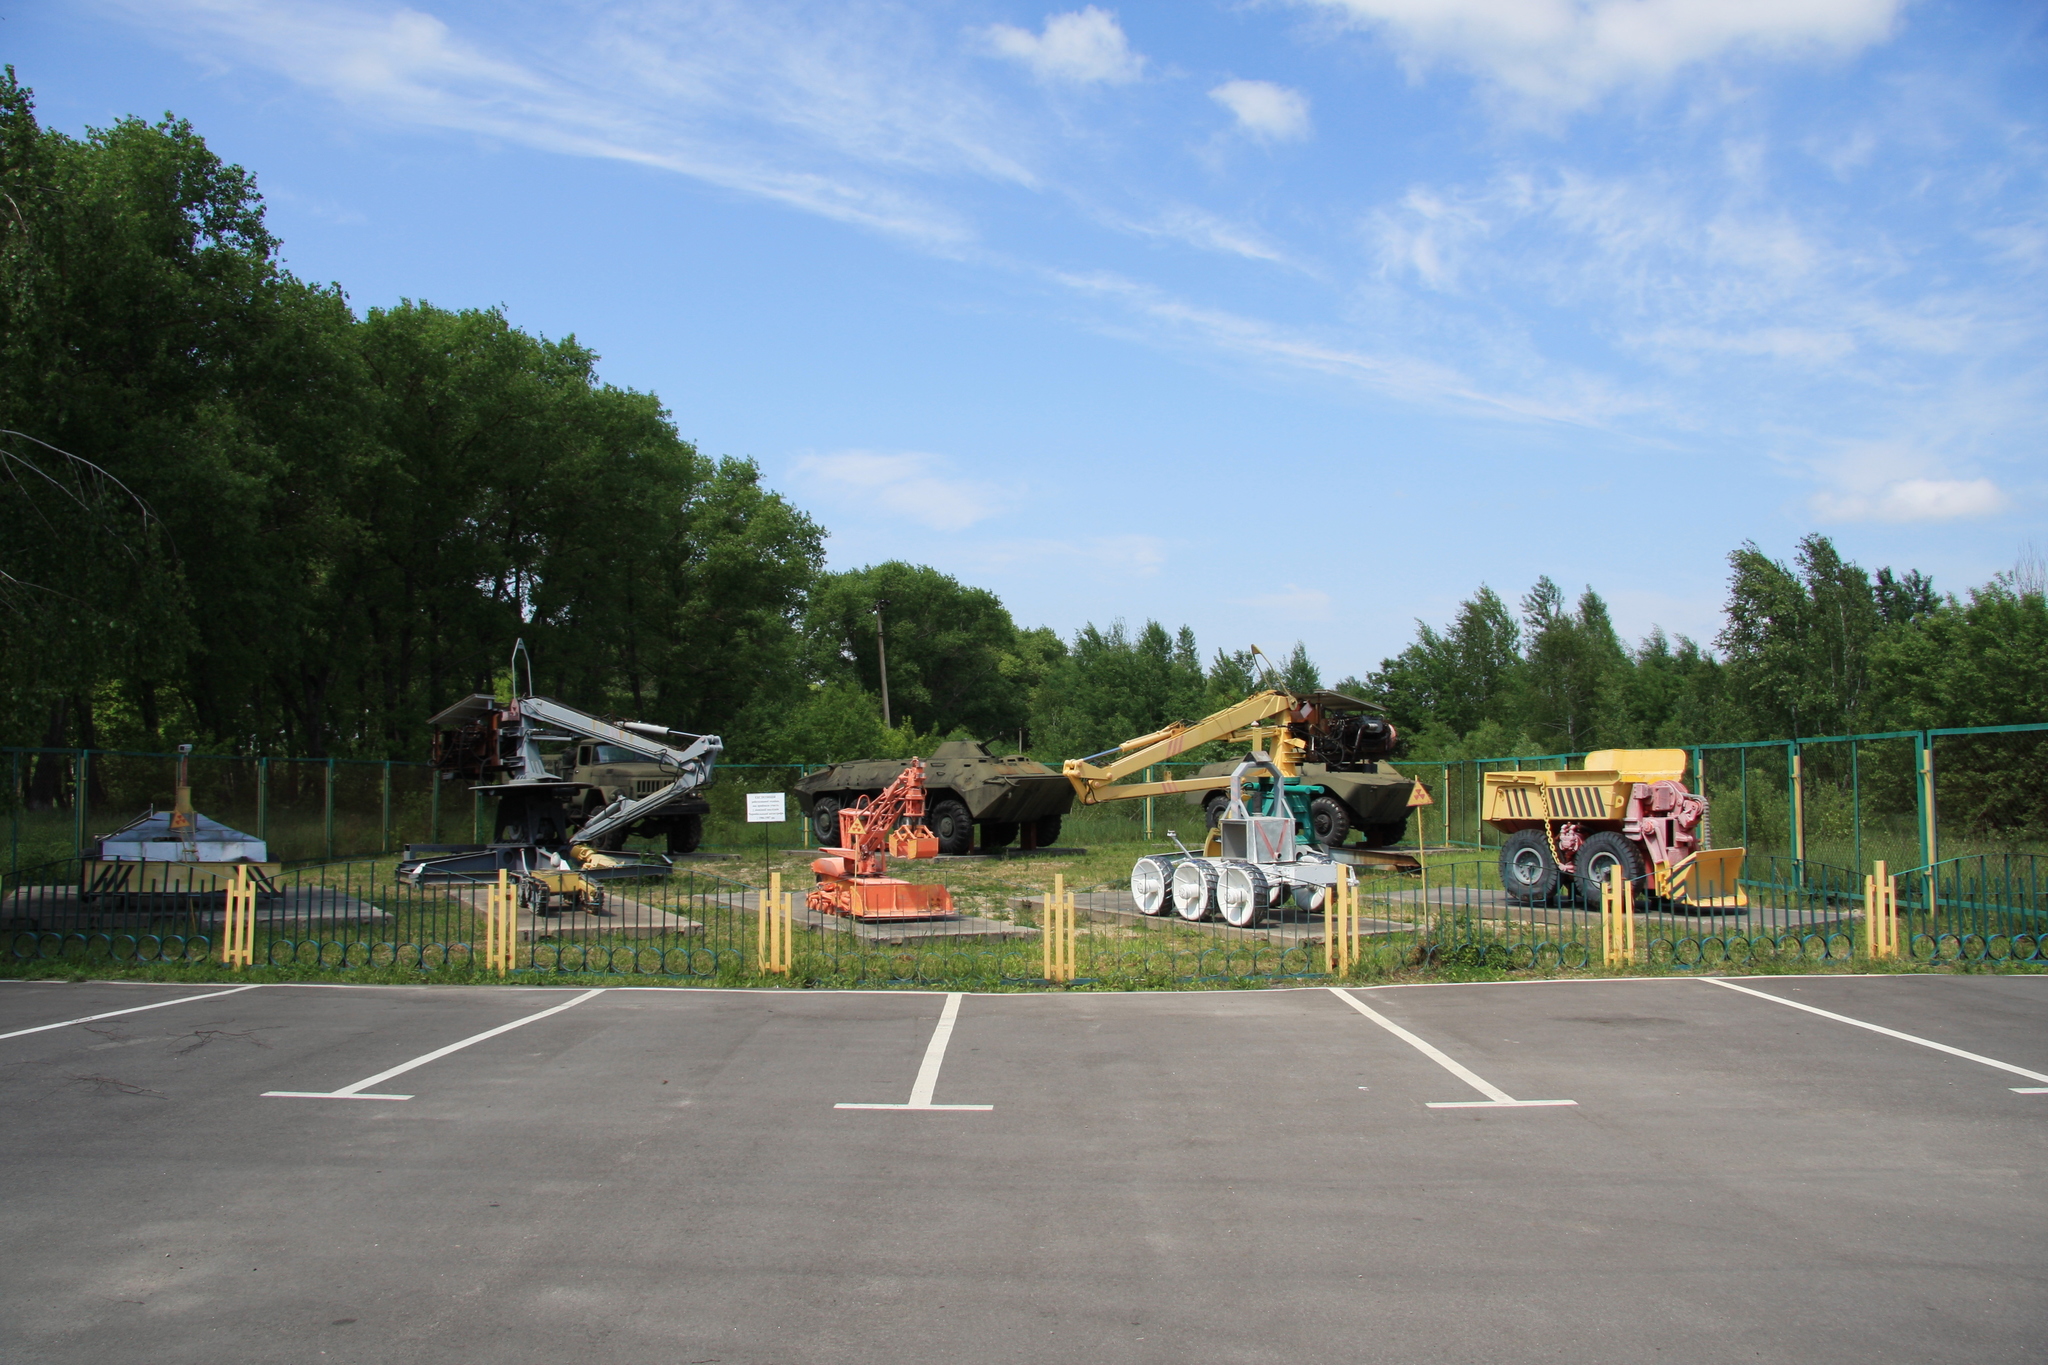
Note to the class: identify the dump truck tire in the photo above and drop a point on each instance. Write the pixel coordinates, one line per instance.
(825, 820)
(954, 826)
(1528, 871)
(1331, 821)
(1601, 852)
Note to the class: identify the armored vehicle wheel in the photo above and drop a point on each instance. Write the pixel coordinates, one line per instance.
(1048, 831)
(825, 820)
(1194, 888)
(1379, 836)
(1241, 894)
(1152, 885)
(685, 832)
(954, 826)
(1331, 820)
(1600, 853)
(1528, 872)
(1213, 807)
(998, 834)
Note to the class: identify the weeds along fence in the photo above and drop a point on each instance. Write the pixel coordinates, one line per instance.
(698, 925)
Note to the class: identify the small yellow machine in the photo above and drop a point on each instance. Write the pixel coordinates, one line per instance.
(1627, 808)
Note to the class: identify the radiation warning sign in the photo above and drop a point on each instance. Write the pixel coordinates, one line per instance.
(1420, 797)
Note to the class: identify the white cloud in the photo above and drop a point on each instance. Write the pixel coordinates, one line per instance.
(1567, 53)
(908, 484)
(1914, 500)
(1101, 557)
(820, 112)
(1084, 47)
(1265, 110)
(1899, 481)
(1206, 231)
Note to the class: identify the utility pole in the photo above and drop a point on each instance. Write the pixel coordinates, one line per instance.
(882, 654)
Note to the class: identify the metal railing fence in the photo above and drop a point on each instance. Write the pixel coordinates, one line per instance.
(704, 926)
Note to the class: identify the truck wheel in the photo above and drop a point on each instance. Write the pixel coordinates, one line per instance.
(1194, 888)
(1331, 820)
(1241, 894)
(825, 820)
(954, 826)
(1528, 872)
(1379, 836)
(1048, 831)
(998, 834)
(685, 832)
(1602, 852)
(1213, 807)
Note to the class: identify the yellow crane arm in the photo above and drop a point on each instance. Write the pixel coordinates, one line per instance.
(1094, 784)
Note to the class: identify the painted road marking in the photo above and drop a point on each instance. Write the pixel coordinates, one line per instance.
(928, 1074)
(1894, 1033)
(1496, 1098)
(359, 1091)
(161, 1004)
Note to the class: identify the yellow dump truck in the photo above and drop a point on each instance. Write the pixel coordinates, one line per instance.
(1628, 808)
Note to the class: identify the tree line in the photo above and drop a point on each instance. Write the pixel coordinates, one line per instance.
(238, 512)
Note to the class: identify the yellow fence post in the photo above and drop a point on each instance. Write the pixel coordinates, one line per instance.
(1618, 919)
(1881, 912)
(1058, 931)
(501, 923)
(1340, 924)
(774, 929)
(238, 922)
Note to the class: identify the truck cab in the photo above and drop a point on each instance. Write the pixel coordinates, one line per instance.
(607, 772)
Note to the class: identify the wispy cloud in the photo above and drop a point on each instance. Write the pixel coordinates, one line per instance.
(918, 487)
(1083, 47)
(825, 115)
(1899, 481)
(1270, 112)
(1566, 54)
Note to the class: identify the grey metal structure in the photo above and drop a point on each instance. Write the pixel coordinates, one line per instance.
(1263, 863)
(543, 822)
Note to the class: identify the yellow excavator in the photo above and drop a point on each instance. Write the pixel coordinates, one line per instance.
(1329, 748)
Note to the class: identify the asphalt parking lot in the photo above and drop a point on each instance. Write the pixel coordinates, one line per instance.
(667, 1175)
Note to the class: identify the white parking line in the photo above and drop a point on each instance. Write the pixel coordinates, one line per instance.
(359, 1089)
(1894, 1033)
(137, 1009)
(928, 1074)
(1496, 1098)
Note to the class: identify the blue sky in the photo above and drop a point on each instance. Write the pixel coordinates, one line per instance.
(1286, 320)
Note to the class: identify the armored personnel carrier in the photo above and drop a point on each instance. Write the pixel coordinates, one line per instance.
(965, 786)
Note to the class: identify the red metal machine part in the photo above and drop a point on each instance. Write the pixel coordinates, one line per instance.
(850, 880)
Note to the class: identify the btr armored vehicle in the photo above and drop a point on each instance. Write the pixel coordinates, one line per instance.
(965, 786)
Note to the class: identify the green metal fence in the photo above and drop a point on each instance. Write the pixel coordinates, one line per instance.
(704, 926)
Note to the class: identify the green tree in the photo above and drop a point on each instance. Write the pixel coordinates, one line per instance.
(1112, 686)
(955, 658)
(1574, 669)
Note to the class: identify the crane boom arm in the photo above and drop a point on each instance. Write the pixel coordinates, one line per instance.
(692, 763)
(1093, 784)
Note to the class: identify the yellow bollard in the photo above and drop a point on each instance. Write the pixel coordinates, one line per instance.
(1340, 924)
